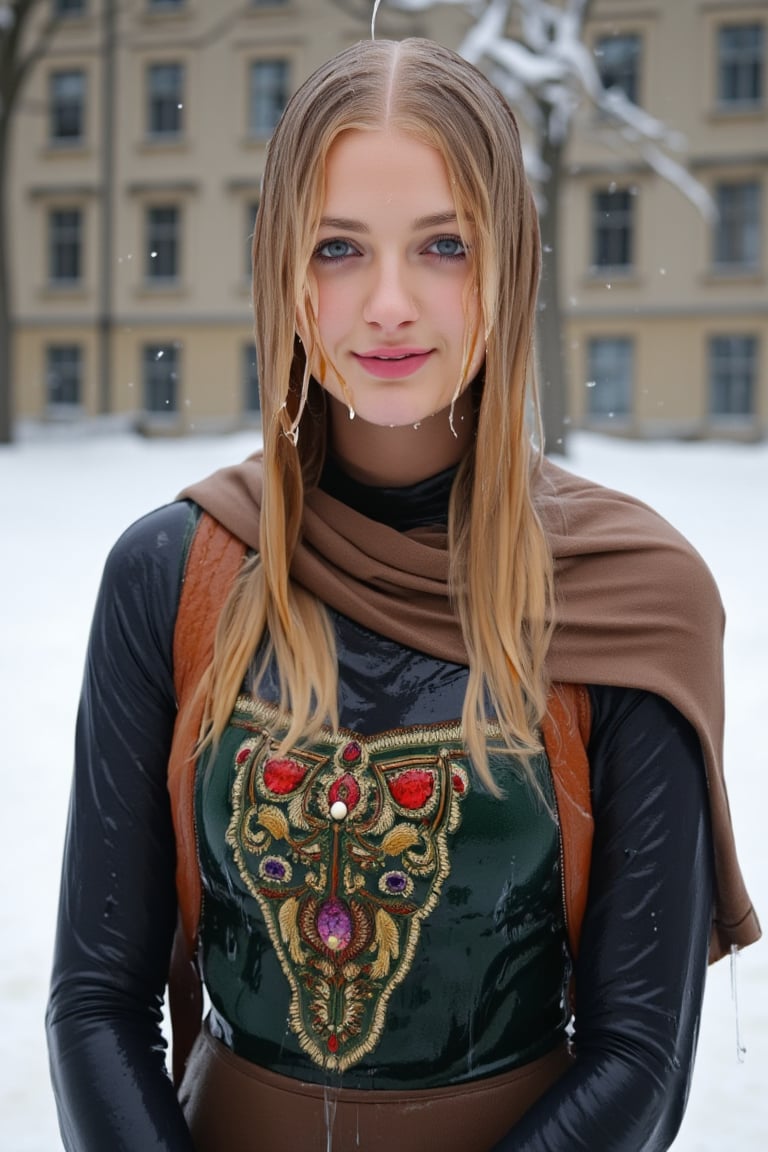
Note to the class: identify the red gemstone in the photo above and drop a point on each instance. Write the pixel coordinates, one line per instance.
(412, 789)
(283, 776)
(458, 783)
(351, 752)
(242, 755)
(347, 789)
(333, 1043)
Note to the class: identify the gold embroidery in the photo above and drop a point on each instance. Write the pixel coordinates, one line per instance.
(344, 846)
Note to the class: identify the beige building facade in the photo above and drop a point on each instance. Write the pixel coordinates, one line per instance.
(138, 151)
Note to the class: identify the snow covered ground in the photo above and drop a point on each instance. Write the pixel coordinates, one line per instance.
(65, 496)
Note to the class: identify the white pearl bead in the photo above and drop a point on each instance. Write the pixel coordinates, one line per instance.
(338, 810)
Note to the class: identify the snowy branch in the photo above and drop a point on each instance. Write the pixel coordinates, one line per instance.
(548, 72)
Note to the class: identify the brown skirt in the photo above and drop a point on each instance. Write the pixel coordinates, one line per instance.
(232, 1104)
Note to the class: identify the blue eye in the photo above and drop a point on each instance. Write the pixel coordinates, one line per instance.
(333, 250)
(448, 248)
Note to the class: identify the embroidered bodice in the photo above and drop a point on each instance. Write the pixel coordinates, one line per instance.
(368, 906)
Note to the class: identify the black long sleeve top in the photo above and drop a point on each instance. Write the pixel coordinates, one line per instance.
(642, 962)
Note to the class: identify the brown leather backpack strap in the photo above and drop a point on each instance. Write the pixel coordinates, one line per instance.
(215, 558)
(565, 729)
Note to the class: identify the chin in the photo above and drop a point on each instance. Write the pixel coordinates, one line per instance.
(402, 414)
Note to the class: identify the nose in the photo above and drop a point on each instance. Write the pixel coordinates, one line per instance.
(389, 301)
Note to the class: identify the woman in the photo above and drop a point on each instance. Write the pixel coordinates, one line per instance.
(377, 845)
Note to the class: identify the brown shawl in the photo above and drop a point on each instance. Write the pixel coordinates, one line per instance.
(636, 607)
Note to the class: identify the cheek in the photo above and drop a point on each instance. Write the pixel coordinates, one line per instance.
(334, 304)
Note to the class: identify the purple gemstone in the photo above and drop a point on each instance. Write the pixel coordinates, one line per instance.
(275, 870)
(396, 881)
(334, 925)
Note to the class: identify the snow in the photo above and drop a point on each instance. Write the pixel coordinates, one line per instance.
(64, 497)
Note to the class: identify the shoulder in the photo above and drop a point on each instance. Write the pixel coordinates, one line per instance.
(148, 558)
(162, 531)
(598, 533)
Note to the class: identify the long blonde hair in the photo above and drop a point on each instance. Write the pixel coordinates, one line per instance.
(500, 566)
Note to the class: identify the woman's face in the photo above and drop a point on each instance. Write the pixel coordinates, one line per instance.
(392, 280)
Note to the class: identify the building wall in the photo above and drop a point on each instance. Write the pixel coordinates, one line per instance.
(653, 319)
(675, 298)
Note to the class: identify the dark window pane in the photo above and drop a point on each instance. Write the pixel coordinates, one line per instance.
(741, 63)
(160, 378)
(612, 229)
(610, 377)
(268, 95)
(64, 375)
(67, 106)
(165, 99)
(162, 243)
(251, 400)
(69, 7)
(250, 223)
(65, 245)
(618, 62)
(732, 375)
(737, 230)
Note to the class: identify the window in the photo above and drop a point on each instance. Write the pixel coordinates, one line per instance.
(165, 100)
(268, 95)
(250, 218)
(741, 63)
(165, 5)
(612, 229)
(610, 377)
(251, 401)
(69, 7)
(732, 375)
(163, 226)
(64, 372)
(737, 230)
(67, 107)
(161, 378)
(65, 245)
(618, 62)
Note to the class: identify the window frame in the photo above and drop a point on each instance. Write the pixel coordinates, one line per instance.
(251, 211)
(615, 235)
(152, 353)
(65, 246)
(610, 412)
(756, 63)
(249, 376)
(64, 12)
(156, 101)
(734, 225)
(735, 371)
(60, 107)
(261, 126)
(72, 373)
(633, 72)
(155, 241)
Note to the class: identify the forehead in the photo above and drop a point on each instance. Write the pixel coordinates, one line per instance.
(372, 170)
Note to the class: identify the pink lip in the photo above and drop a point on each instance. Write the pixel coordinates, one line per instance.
(393, 363)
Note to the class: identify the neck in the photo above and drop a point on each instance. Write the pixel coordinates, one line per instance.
(395, 457)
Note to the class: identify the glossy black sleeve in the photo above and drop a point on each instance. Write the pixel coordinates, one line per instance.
(644, 945)
(117, 909)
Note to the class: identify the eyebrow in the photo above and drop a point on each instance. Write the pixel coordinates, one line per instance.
(346, 224)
